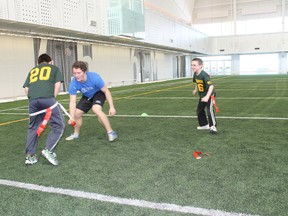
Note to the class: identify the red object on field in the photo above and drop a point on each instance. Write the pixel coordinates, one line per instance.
(197, 154)
(214, 103)
(45, 121)
(73, 123)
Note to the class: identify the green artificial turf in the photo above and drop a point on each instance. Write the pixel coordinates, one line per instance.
(243, 168)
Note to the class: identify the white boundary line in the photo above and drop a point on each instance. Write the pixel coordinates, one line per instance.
(16, 108)
(197, 98)
(165, 116)
(119, 200)
(218, 117)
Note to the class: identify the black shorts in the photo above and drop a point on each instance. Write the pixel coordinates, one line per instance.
(85, 103)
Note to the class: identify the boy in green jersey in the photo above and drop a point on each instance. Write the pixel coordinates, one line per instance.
(42, 86)
(205, 89)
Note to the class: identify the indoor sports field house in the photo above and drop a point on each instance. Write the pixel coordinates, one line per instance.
(162, 162)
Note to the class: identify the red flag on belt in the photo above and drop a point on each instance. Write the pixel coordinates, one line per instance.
(214, 103)
(45, 121)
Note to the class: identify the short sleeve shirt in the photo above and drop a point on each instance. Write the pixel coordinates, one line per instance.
(203, 82)
(93, 84)
(41, 80)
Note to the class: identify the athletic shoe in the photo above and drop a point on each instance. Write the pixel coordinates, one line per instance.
(31, 159)
(50, 156)
(72, 137)
(213, 130)
(112, 135)
(206, 127)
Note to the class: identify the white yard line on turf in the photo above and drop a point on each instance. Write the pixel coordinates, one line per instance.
(15, 108)
(218, 117)
(197, 98)
(119, 200)
(165, 116)
(25, 108)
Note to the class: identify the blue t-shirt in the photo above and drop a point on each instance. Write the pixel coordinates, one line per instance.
(93, 84)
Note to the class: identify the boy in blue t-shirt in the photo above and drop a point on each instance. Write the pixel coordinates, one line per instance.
(94, 93)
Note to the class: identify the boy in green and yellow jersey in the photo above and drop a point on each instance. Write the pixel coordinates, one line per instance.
(205, 89)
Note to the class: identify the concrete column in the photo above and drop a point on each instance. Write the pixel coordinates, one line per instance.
(235, 64)
(283, 63)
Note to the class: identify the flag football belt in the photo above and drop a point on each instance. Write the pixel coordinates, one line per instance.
(214, 103)
(47, 116)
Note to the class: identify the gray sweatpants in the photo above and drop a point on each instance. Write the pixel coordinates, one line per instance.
(56, 123)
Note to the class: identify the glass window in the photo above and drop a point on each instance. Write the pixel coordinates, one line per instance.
(220, 67)
(243, 27)
(206, 65)
(215, 29)
(268, 25)
(217, 65)
(259, 64)
(228, 67)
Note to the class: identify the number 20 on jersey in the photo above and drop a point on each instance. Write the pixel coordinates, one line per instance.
(40, 74)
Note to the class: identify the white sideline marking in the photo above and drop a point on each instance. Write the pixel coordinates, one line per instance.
(218, 117)
(119, 200)
(16, 108)
(197, 98)
(164, 116)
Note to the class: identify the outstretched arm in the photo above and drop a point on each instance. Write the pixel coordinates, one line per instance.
(72, 106)
(109, 99)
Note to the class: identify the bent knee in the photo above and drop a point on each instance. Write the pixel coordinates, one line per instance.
(78, 114)
(97, 109)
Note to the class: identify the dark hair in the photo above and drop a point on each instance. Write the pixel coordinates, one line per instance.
(80, 64)
(44, 58)
(200, 62)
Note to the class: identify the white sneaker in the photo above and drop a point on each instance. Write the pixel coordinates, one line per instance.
(112, 135)
(206, 127)
(213, 130)
(50, 156)
(31, 159)
(72, 137)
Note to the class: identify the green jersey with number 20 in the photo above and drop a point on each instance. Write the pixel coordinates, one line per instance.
(41, 80)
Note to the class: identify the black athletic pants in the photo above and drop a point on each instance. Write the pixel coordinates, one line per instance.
(201, 113)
